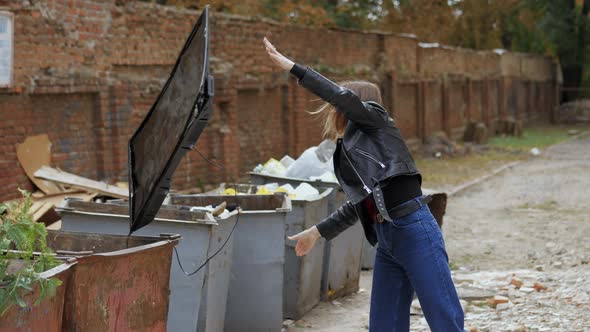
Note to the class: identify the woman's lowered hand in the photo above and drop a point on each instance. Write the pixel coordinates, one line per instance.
(305, 240)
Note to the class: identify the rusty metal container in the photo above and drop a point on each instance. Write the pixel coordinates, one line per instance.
(343, 254)
(196, 302)
(48, 315)
(109, 283)
(258, 258)
(119, 283)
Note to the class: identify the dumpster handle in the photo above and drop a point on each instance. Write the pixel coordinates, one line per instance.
(171, 236)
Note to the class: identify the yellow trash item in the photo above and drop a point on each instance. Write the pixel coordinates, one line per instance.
(229, 191)
(263, 191)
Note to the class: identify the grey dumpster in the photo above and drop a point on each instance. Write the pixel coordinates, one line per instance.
(196, 301)
(255, 295)
(302, 275)
(437, 206)
(343, 254)
(342, 271)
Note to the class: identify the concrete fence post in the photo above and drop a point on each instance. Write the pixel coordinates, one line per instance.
(421, 111)
(446, 107)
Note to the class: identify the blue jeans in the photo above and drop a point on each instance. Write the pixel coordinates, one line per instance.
(411, 257)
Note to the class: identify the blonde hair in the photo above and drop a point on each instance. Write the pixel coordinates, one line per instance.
(334, 121)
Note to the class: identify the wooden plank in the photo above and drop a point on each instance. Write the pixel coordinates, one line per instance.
(57, 199)
(68, 193)
(34, 153)
(46, 213)
(43, 209)
(76, 181)
(36, 206)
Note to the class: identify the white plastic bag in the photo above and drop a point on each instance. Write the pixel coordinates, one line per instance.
(326, 177)
(287, 188)
(325, 150)
(307, 165)
(287, 161)
(306, 191)
(274, 167)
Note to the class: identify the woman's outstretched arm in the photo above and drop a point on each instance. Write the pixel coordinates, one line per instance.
(366, 115)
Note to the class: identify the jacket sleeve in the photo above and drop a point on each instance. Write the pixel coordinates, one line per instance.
(366, 115)
(336, 223)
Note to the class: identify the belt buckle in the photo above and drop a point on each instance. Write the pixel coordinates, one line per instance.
(379, 218)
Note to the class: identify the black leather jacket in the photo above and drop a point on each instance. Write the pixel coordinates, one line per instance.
(370, 151)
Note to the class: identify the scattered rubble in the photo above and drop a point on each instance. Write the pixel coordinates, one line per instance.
(509, 127)
(439, 145)
(476, 132)
(497, 300)
(78, 182)
(574, 112)
(54, 185)
(556, 301)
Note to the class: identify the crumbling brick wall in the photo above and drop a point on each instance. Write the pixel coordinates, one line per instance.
(87, 71)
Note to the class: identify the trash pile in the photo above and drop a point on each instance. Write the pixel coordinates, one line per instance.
(303, 191)
(34, 155)
(315, 163)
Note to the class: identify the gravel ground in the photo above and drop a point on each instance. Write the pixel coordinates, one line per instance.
(521, 237)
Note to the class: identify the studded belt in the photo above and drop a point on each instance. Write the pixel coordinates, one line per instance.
(405, 209)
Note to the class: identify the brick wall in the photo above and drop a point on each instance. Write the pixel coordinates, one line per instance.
(87, 71)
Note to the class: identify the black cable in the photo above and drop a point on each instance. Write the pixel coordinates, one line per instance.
(230, 233)
(207, 160)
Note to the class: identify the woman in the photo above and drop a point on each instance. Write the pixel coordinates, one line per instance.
(375, 169)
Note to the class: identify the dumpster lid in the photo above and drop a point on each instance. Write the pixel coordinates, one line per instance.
(171, 127)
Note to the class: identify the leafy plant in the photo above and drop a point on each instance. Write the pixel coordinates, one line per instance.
(24, 241)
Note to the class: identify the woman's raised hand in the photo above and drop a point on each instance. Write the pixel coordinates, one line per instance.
(305, 240)
(276, 57)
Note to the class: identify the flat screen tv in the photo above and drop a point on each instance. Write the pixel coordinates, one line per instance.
(171, 128)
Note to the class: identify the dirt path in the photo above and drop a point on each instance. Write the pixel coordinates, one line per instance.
(531, 223)
(535, 213)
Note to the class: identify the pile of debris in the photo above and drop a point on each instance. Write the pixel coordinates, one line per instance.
(520, 300)
(479, 133)
(475, 136)
(574, 111)
(304, 191)
(53, 184)
(315, 163)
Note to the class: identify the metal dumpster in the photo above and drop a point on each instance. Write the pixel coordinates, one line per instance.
(48, 315)
(195, 301)
(258, 258)
(302, 275)
(109, 283)
(437, 206)
(342, 255)
(119, 283)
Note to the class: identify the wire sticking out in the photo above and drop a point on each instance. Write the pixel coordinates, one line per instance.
(218, 165)
(236, 204)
